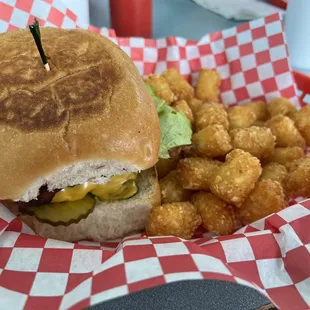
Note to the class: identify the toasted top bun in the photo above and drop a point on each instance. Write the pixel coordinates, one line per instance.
(89, 118)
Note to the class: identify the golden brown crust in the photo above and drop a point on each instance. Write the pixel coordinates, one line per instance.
(275, 172)
(209, 114)
(217, 216)
(266, 198)
(258, 141)
(208, 85)
(196, 173)
(212, 141)
(161, 88)
(91, 105)
(280, 106)
(299, 177)
(235, 179)
(285, 131)
(259, 108)
(302, 122)
(171, 190)
(182, 106)
(179, 86)
(241, 116)
(285, 155)
(179, 219)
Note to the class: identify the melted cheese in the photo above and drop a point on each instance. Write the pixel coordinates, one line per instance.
(119, 187)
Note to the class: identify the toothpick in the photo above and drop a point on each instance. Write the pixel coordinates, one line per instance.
(35, 31)
(47, 67)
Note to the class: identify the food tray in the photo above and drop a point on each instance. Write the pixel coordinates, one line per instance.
(270, 255)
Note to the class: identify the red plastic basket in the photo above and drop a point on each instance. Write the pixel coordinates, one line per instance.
(303, 85)
(280, 3)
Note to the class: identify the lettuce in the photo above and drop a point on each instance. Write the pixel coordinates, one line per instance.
(175, 128)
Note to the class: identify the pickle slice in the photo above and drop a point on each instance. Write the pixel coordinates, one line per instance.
(118, 192)
(65, 213)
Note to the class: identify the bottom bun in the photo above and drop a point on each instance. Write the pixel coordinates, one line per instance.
(110, 219)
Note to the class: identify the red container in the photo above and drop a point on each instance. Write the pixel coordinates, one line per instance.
(131, 18)
(280, 3)
(303, 84)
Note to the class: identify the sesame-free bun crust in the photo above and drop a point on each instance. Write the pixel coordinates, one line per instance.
(92, 106)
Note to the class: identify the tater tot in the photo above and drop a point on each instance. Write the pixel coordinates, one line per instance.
(235, 179)
(182, 106)
(211, 114)
(259, 108)
(165, 165)
(267, 197)
(275, 172)
(179, 219)
(258, 141)
(302, 122)
(196, 173)
(280, 106)
(180, 87)
(259, 124)
(171, 190)
(212, 141)
(285, 131)
(161, 88)
(240, 117)
(194, 105)
(191, 151)
(208, 84)
(299, 177)
(217, 216)
(285, 155)
(291, 115)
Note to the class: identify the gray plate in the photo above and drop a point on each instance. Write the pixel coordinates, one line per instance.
(190, 295)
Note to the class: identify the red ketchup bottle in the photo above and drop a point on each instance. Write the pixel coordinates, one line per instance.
(131, 18)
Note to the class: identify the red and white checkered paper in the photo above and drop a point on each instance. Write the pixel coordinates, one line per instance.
(271, 255)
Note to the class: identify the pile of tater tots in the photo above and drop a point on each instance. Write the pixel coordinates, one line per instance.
(245, 161)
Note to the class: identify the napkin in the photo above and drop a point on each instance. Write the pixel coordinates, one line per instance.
(239, 9)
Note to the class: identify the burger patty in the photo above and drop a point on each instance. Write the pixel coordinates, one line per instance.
(44, 197)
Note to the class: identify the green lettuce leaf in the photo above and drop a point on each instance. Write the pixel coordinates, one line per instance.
(175, 128)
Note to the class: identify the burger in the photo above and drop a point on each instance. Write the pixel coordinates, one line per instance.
(79, 142)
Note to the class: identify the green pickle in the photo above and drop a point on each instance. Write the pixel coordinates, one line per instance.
(65, 213)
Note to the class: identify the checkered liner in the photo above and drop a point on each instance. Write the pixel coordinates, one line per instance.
(270, 255)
